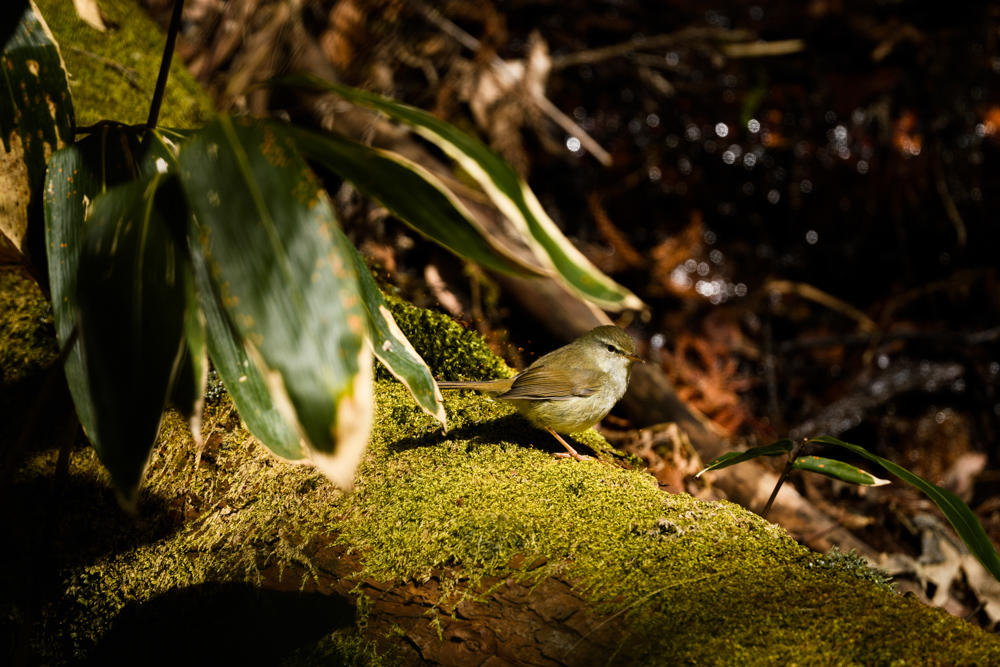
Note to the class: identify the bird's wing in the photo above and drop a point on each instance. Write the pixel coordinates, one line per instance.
(540, 383)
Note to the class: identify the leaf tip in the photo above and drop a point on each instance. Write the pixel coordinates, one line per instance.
(351, 428)
(128, 499)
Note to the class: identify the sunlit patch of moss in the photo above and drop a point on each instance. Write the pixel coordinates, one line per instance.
(101, 91)
(706, 583)
(782, 615)
(451, 351)
(490, 490)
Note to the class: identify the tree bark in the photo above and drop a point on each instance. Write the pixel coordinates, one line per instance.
(511, 623)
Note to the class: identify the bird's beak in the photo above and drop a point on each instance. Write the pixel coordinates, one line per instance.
(634, 358)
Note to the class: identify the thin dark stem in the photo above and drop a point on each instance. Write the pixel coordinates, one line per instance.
(792, 455)
(168, 55)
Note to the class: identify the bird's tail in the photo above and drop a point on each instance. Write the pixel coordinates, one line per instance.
(485, 385)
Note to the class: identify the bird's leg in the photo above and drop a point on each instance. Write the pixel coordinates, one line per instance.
(572, 452)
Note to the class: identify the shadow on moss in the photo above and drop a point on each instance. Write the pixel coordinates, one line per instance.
(509, 429)
(223, 624)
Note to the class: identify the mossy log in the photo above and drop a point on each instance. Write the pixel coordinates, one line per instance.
(469, 547)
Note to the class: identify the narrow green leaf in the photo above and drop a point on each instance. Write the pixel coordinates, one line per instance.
(506, 189)
(958, 513)
(838, 470)
(158, 155)
(414, 195)
(286, 281)
(208, 329)
(36, 119)
(131, 298)
(782, 446)
(188, 394)
(75, 178)
(391, 346)
(241, 377)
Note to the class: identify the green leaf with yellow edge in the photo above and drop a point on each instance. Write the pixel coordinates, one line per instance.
(75, 177)
(131, 299)
(957, 512)
(241, 377)
(286, 282)
(412, 194)
(391, 346)
(509, 193)
(210, 333)
(838, 470)
(36, 119)
(782, 446)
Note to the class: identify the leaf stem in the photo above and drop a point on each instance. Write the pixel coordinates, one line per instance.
(168, 54)
(792, 455)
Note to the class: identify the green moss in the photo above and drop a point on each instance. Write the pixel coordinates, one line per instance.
(490, 491)
(94, 59)
(27, 332)
(699, 582)
(223, 520)
(451, 351)
(341, 649)
(854, 564)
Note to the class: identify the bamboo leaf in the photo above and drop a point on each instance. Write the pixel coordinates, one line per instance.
(75, 178)
(958, 513)
(506, 189)
(412, 194)
(838, 470)
(391, 346)
(208, 332)
(782, 446)
(131, 299)
(215, 335)
(158, 155)
(241, 377)
(36, 118)
(286, 282)
(188, 394)
(188, 390)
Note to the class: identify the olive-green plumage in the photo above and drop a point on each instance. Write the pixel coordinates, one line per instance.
(569, 389)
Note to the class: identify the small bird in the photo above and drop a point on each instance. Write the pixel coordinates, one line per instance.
(569, 389)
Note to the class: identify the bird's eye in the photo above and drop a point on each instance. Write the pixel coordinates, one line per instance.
(611, 348)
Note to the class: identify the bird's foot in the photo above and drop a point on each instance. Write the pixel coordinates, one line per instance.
(570, 452)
